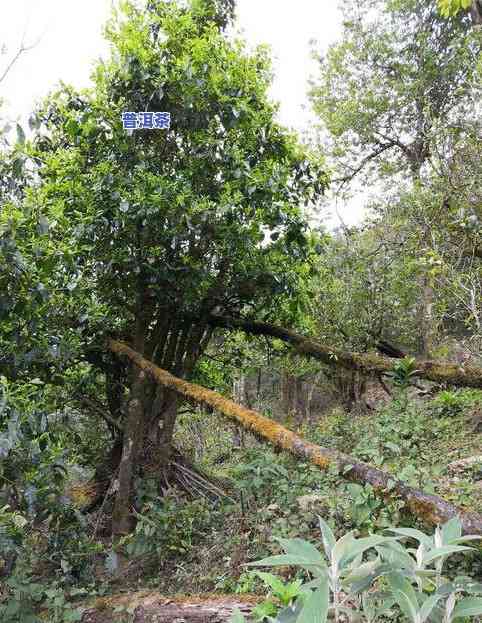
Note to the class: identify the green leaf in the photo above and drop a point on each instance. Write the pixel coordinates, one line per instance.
(305, 549)
(465, 539)
(451, 530)
(264, 610)
(342, 546)
(427, 607)
(20, 134)
(19, 521)
(400, 586)
(281, 560)
(328, 537)
(43, 225)
(290, 614)
(272, 581)
(393, 552)
(359, 546)
(315, 608)
(414, 534)
(470, 606)
(13, 606)
(362, 571)
(406, 605)
(446, 550)
(237, 617)
(290, 591)
(73, 615)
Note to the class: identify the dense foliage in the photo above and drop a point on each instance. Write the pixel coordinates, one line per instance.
(170, 240)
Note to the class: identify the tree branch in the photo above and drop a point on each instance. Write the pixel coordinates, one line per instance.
(430, 508)
(370, 363)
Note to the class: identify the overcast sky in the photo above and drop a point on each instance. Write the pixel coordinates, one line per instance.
(68, 36)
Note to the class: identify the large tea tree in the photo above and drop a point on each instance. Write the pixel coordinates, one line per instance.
(148, 234)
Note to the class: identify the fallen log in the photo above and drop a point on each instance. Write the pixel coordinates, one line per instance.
(370, 363)
(430, 508)
(151, 607)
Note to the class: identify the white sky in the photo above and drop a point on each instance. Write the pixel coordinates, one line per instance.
(69, 34)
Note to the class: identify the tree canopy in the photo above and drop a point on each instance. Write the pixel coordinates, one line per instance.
(399, 74)
(175, 301)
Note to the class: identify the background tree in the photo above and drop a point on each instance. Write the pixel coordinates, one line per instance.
(399, 78)
(399, 73)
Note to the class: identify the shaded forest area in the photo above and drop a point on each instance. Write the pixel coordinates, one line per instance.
(213, 407)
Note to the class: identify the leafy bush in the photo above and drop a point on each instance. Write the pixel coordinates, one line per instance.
(452, 7)
(373, 578)
(451, 403)
(403, 372)
(44, 546)
(259, 474)
(166, 527)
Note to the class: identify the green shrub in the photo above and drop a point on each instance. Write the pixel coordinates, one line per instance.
(167, 527)
(451, 403)
(374, 578)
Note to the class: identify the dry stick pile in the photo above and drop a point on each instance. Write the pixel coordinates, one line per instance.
(430, 508)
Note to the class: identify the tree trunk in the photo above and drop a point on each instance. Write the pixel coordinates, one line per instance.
(132, 446)
(476, 12)
(154, 608)
(426, 337)
(292, 400)
(151, 412)
(311, 391)
(429, 508)
(286, 391)
(168, 421)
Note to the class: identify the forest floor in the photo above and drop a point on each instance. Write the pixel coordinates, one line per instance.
(193, 545)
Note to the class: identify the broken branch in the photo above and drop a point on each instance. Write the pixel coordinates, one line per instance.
(429, 508)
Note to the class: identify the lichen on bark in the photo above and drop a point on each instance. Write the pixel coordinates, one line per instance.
(429, 508)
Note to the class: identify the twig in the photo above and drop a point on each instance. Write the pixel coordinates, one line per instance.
(22, 48)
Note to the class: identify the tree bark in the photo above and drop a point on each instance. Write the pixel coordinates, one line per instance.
(476, 12)
(370, 363)
(151, 411)
(293, 403)
(169, 417)
(133, 438)
(430, 508)
(426, 337)
(286, 391)
(154, 608)
(350, 384)
(311, 391)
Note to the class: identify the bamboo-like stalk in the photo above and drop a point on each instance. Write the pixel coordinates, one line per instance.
(370, 363)
(430, 508)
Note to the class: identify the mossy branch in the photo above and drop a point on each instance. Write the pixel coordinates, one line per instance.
(429, 508)
(370, 363)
